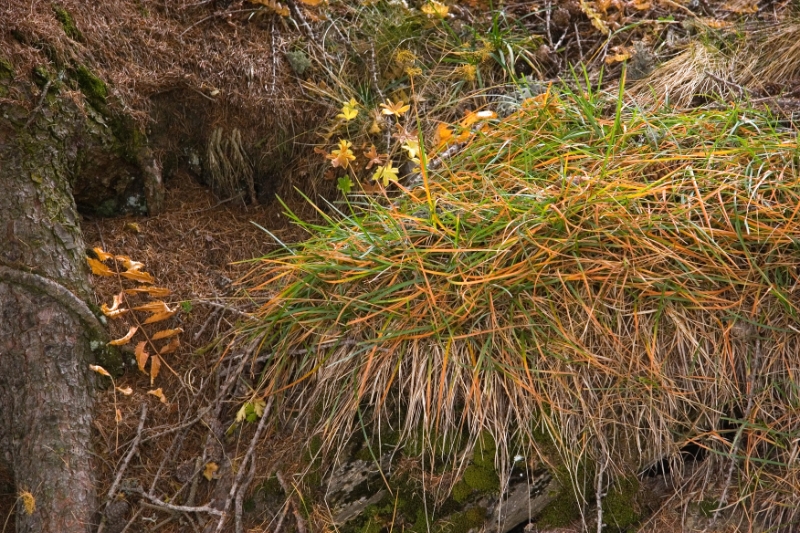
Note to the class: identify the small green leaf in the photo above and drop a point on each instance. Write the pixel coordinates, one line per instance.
(344, 184)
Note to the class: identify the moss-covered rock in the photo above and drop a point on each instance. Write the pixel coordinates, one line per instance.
(93, 88)
(620, 506)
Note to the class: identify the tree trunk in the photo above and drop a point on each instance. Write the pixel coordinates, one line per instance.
(46, 329)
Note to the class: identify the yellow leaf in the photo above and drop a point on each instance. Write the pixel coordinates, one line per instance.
(155, 292)
(141, 277)
(412, 148)
(166, 333)
(100, 370)
(114, 311)
(594, 16)
(155, 367)
(101, 255)
(158, 317)
(124, 340)
(173, 345)
(127, 391)
(434, 8)
(28, 502)
(128, 263)
(443, 135)
(349, 111)
(158, 393)
(133, 227)
(386, 173)
(342, 156)
(141, 355)
(395, 108)
(98, 268)
(153, 307)
(209, 470)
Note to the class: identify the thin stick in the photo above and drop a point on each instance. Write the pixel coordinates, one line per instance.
(134, 446)
(181, 508)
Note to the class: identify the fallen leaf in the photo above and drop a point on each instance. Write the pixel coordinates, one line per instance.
(155, 367)
(386, 173)
(135, 275)
(99, 268)
(101, 255)
(127, 391)
(166, 333)
(374, 157)
(118, 416)
(158, 393)
(342, 156)
(124, 340)
(28, 502)
(155, 292)
(158, 317)
(209, 470)
(173, 345)
(141, 355)
(444, 135)
(154, 307)
(100, 370)
(434, 8)
(349, 111)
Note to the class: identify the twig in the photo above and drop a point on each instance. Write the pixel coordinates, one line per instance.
(299, 16)
(181, 508)
(247, 458)
(301, 524)
(215, 15)
(227, 308)
(134, 446)
(238, 504)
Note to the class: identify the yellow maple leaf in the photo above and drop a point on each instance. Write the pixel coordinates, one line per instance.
(412, 149)
(395, 108)
(434, 8)
(349, 111)
(342, 156)
(209, 470)
(124, 340)
(386, 173)
(374, 157)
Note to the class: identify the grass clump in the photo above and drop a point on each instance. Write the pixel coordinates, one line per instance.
(612, 280)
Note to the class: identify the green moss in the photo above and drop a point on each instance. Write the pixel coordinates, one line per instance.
(91, 86)
(463, 522)
(461, 491)
(619, 506)
(561, 512)
(67, 22)
(485, 451)
(299, 61)
(481, 479)
(6, 69)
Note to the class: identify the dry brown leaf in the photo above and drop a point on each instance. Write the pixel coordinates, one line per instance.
(114, 311)
(158, 393)
(127, 391)
(135, 275)
(118, 416)
(129, 263)
(171, 347)
(102, 255)
(167, 333)
(100, 370)
(155, 368)
(210, 470)
(124, 340)
(158, 317)
(153, 307)
(141, 355)
(98, 268)
(155, 292)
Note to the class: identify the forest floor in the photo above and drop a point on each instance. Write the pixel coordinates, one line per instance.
(286, 82)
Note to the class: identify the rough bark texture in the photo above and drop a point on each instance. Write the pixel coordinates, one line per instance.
(47, 332)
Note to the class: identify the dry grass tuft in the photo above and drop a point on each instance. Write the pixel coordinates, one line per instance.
(619, 286)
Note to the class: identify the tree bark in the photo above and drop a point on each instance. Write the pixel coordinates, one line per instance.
(46, 329)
